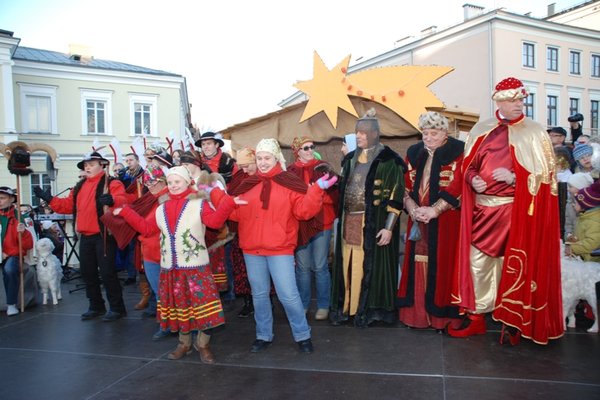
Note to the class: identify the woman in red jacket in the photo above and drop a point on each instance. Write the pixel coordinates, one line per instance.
(315, 234)
(155, 181)
(268, 231)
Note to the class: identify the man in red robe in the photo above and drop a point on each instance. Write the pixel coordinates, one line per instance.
(509, 254)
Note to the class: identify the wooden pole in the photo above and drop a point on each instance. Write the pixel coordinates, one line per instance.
(20, 240)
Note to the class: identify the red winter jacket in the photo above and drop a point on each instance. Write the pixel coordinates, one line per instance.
(274, 231)
(10, 237)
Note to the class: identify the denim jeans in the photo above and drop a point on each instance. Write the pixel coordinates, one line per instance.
(10, 273)
(152, 275)
(261, 269)
(313, 257)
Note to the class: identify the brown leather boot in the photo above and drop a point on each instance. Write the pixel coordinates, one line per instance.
(184, 347)
(145, 290)
(206, 355)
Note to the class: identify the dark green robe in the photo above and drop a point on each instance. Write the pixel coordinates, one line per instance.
(384, 186)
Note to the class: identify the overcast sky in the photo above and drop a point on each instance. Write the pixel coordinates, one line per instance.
(240, 58)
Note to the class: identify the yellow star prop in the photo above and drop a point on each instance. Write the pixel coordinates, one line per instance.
(403, 89)
(325, 91)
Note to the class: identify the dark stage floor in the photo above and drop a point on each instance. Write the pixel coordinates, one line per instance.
(49, 353)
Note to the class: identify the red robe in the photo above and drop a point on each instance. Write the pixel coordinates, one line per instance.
(425, 301)
(529, 294)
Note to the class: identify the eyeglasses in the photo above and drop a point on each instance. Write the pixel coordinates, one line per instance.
(307, 148)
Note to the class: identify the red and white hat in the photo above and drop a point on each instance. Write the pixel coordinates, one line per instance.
(509, 89)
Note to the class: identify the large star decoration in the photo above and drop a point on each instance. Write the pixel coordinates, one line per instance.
(324, 91)
(403, 89)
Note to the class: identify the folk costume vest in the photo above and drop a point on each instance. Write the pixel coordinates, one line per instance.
(184, 247)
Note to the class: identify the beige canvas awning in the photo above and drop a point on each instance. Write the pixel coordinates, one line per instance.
(283, 125)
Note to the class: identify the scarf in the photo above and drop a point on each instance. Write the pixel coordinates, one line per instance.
(277, 174)
(121, 230)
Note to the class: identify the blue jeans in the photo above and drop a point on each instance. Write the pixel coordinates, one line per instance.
(281, 269)
(152, 275)
(313, 257)
(10, 273)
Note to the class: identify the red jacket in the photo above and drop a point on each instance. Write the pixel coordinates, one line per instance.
(10, 237)
(306, 172)
(274, 231)
(87, 214)
(150, 233)
(150, 243)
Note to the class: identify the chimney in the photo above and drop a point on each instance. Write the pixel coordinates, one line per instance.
(80, 52)
(551, 8)
(472, 11)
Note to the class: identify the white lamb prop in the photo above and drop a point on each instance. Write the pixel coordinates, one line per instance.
(578, 280)
(49, 271)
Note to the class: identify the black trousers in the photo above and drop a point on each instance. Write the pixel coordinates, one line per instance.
(97, 266)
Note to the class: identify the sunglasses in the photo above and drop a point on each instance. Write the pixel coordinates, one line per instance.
(307, 148)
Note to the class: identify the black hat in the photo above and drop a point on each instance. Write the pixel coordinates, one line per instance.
(557, 129)
(164, 158)
(575, 118)
(91, 157)
(8, 191)
(217, 137)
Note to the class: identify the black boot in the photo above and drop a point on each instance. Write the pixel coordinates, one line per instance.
(248, 308)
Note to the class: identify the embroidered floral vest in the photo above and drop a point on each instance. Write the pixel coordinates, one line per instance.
(185, 247)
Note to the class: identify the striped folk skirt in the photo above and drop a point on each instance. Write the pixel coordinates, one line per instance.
(189, 300)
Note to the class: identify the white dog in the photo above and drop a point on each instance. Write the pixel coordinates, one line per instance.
(49, 271)
(579, 283)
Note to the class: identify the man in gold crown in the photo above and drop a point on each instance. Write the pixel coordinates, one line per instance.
(365, 270)
(509, 257)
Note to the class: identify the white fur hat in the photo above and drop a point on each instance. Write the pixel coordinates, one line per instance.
(182, 172)
(271, 146)
(580, 180)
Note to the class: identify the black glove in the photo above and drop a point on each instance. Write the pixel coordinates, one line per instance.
(106, 200)
(42, 194)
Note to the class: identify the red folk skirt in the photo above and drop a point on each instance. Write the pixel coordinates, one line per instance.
(189, 300)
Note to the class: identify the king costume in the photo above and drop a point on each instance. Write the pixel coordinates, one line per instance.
(371, 187)
(424, 293)
(509, 256)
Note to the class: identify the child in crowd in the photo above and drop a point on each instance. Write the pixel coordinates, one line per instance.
(576, 182)
(587, 228)
(188, 297)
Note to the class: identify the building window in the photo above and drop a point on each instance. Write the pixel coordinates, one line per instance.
(528, 55)
(144, 114)
(528, 104)
(96, 109)
(573, 105)
(551, 104)
(41, 180)
(552, 59)
(595, 67)
(575, 62)
(142, 119)
(96, 117)
(594, 117)
(38, 108)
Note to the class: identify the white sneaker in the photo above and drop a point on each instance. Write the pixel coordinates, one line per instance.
(321, 314)
(12, 310)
